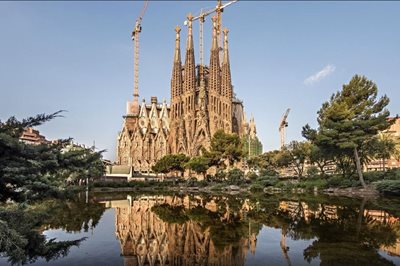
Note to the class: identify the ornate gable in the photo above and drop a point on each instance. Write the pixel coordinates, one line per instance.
(143, 118)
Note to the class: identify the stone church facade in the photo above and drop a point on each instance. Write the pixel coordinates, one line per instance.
(202, 102)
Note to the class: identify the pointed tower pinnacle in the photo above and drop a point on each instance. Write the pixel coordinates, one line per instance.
(189, 80)
(226, 53)
(226, 79)
(189, 43)
(176, 80)
(214, 35)
(215, 78)
(214, 84)
(177, 57)
(252, 127)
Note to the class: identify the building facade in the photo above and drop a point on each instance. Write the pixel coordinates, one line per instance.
(252, 146)
(32, 136)
(202, 102)
(393, 133)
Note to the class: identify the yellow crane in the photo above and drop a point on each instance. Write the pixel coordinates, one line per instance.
(135, 38)
(282, 127)
(201, 17)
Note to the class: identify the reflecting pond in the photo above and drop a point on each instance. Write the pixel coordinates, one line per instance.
(197, 229)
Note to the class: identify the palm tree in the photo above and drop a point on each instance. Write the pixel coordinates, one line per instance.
(385, 148)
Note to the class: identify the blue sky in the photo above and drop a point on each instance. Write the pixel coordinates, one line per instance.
(78, 56)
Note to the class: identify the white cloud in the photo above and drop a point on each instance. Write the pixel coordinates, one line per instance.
(329, 69)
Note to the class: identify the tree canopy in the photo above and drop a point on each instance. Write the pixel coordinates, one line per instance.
(36, 171)
(171, 162)
(349, 121)
(224, 147)
(199, 164)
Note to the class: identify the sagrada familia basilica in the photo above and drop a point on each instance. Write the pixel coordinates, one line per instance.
(202, 102)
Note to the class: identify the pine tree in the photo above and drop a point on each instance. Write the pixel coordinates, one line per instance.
(36, 171)
(349, 121)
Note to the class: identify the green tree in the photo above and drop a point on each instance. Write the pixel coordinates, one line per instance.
(162, 165)
(320, 157)
(266, 161)
(349, 120)
(38, 171)
(235, 177)
(171, 163)
(298, 153)
(383, 148)
(199, 164)
(224, 148)
(80, 163)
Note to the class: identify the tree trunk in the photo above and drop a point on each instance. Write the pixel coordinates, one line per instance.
(359, 170)
(301, 171)
(321, 168)
(384, 162)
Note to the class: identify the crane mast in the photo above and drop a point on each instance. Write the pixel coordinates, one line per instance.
(135, 38)
(282, 127)
(201, 17)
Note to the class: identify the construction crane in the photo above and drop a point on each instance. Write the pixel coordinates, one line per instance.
(282, 127)
(135, 38)
(201, 17)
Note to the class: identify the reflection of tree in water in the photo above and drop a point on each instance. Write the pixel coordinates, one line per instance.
(349, 240)
(21, 238)
(73, 216)
(343, 237)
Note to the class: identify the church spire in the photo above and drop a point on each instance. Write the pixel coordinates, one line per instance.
(176, 80)
(189, 82)
(214, 35)
(215, 79)
(177, 57)
(226, 53)
(189, 43)
(226, 80)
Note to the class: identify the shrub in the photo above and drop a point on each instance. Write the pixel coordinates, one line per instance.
(268, 172)
(341, 182)
(235, 177)
(334, 181)
(389, 187)
(287, 185)
(256, 188)
(345, 183)
(251, 176)
(370, 177)
(309, 184)
(220, 175)
(267, 181)
(312, 171)
(392, 174)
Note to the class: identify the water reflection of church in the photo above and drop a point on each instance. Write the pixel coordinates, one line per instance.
(147, 240)
(222, 230)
